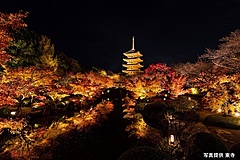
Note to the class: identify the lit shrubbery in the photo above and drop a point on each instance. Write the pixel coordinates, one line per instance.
(202, 142)
(222, 121)
(224, 94)
(183, 103)
(14, 126)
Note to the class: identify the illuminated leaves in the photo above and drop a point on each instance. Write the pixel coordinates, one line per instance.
(224, 93)
(225, 60)
(13, 125)
(4, 58)
(167, 77)
(48, 59)
(89, 84)
(32, 80)
(227, 55)
(157, 77)
(24, 49)
(176, 85)
(24, 81)
(10, 22)
(13, 20)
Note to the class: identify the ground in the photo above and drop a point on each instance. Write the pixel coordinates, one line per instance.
(229, 136)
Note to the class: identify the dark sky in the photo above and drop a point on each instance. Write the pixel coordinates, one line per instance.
(97, 33)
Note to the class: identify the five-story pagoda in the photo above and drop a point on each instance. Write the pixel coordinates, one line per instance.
(132, 61)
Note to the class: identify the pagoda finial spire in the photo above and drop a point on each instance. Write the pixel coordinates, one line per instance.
(133, 43)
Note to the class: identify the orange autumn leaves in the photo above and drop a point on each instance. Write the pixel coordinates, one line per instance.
(157, 77)
(10, 22)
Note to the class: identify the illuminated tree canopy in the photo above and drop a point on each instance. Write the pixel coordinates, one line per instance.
(228, 53)
(10, 22)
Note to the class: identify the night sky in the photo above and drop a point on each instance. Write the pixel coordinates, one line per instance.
(97, 33)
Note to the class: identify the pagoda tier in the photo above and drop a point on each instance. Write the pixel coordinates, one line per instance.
(133, 54)
(133, 66)
(132, 61)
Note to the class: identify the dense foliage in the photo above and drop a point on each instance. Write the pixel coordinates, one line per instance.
(224, 94)
(216, 75)
(157, 78)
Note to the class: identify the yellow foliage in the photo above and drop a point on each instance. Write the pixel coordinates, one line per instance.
(48, 60)
(224, 93)
(90, 84)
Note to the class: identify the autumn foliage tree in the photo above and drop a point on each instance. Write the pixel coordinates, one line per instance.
(67, 64)
(157, 77)
(24, 49)
(30, 49)
(167, 78)
(48, 57)
(227, 55)
(217, 74)
(24, 82)
(141, 87)
(198, 74)
(89, 84)
(9, 23)
(213, 64)
(224, 94)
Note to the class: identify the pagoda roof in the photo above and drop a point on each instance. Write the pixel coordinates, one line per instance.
(132, 60)
(132, 54)
(136, 59)
(132, 65)
(132, 51)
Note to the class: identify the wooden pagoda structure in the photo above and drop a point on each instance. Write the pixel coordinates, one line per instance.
(132, 61)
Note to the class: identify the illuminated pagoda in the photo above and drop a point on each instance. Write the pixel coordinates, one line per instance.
(132, 61)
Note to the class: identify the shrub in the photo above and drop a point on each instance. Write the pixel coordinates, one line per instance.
(203, 142)
(183, 103)
(222, 121)
(4, 112)
(153, 114)
(235, 149)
